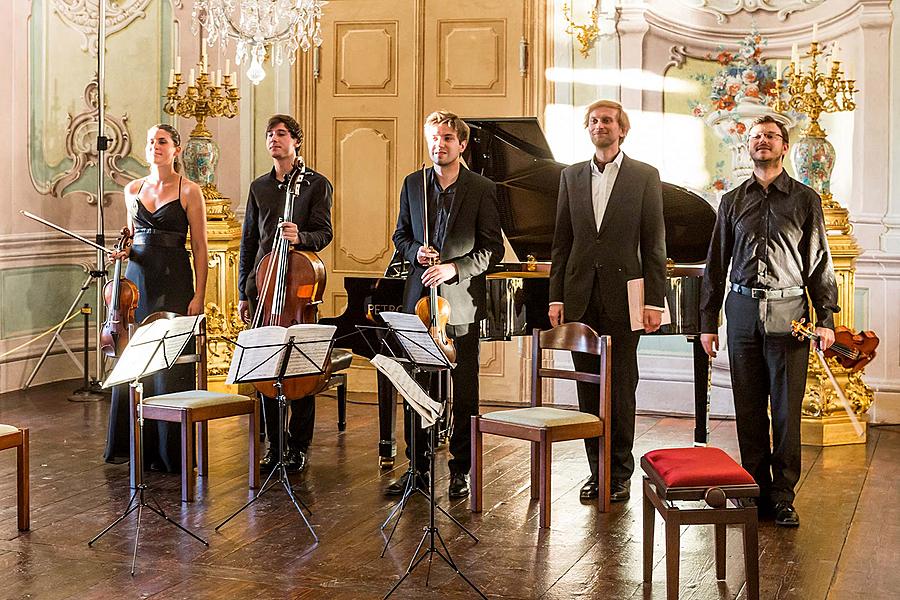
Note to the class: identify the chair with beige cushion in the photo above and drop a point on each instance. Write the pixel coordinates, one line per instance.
(13, 437)
(196, 408)
(543, 426)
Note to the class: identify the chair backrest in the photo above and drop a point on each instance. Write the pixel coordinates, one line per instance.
(573, 337)
(199, 355)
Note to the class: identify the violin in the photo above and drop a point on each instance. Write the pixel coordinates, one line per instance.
(853, 351)
(293, 283)
(121, 296)
(434, 310)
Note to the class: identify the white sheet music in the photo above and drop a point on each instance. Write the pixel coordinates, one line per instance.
(261, 351)
(421, 402)
(153, 347)
(415, 339)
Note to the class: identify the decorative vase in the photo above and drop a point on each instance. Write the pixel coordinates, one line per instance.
(732, 126)
(201, 154)
(813, 159)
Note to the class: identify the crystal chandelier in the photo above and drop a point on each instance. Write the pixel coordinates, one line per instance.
(284, 26)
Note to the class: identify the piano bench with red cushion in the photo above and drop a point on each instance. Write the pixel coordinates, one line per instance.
(694, 474)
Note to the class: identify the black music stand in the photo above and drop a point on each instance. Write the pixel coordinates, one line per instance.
(431, 531)
(153, 347)
(248, 365)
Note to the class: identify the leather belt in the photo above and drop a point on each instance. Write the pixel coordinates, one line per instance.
(157, 237)
(767, 294)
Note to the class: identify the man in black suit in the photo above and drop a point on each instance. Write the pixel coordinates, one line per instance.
(609, 230)
(771, 230)
(308, 229)
(464, 228)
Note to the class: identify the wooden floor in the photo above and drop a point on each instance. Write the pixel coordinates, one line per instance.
(849, 503)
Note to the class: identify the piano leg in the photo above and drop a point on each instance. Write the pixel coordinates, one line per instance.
(701, 393)
(387, 421)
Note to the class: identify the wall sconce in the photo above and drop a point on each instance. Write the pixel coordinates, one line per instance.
(587, 33)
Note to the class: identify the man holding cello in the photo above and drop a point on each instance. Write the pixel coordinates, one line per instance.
(308, 229)
(464, 240)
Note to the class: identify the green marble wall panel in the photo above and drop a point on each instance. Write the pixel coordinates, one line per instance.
(33, 299)
(62, 64)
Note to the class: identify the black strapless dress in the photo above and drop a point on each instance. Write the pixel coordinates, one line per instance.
(159, 265)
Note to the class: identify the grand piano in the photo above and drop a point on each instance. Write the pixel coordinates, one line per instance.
(514, 153)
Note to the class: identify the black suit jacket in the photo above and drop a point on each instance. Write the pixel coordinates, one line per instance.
(629, 243)
(472, 242)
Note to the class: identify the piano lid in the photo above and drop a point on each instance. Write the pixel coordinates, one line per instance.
(513, 152)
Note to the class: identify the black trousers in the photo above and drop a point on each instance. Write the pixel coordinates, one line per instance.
(465, 402)
(766, 368)
(301, 421)
(624, 385)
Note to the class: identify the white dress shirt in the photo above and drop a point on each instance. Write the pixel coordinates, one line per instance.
(602, 184)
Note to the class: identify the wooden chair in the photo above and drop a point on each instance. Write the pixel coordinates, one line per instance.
(13, 437)
(194, 409)
(543, 426)
(708, 474)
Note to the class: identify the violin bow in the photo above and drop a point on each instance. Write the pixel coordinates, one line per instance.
(801, 330)
(854, 420)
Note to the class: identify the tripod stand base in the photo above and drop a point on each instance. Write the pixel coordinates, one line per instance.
(138, 502)
(92, 393)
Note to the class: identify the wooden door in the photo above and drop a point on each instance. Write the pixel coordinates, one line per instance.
(384, 65)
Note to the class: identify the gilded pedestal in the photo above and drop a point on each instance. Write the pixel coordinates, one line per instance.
(824, 421)
(222, 317)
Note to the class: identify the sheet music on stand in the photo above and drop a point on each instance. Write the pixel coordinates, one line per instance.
(415, 339)
(153, 347)
(260, 353)
(411, 391)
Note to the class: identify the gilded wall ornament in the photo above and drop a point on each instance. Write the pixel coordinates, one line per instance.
(84, 15)
(81, 148)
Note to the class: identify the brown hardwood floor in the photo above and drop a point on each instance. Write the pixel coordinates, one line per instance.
(848, 501)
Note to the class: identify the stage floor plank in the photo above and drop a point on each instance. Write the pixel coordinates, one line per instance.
(847, 500)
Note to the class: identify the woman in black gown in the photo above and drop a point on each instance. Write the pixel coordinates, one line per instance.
(162, 208)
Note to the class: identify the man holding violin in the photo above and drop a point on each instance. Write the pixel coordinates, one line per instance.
(772, 231)
(464, 240)
(309, 229)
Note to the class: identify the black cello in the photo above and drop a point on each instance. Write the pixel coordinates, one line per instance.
(121, 296)
(432, 309)
(293, 283)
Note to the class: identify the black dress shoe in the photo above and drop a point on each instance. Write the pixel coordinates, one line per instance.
(268, 461)
(590, 490)
(619, 490)
(398, 487)
(459, 485)
(295, 460)
(785, 515)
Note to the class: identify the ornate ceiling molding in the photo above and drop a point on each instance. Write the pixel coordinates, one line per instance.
(81, 148)
(723, 9)
(84, 17)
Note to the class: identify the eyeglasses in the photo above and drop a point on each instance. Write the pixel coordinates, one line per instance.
(768, 135)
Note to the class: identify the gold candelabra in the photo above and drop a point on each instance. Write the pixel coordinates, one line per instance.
(587, 33)
(205, 97)
(813, 92)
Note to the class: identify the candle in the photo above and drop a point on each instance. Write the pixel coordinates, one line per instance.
(227, 67)
(178, 64)
(203, 57)
(835, 52)
(778, 69)
(171, 77)
(815, 35)
(795, 55)
(191, 78)
(218, 77)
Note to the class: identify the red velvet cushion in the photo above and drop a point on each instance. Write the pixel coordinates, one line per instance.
(697, 467)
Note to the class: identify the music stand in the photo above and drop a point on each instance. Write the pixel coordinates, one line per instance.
(153, 347)
(284, 360)
(425, 414)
